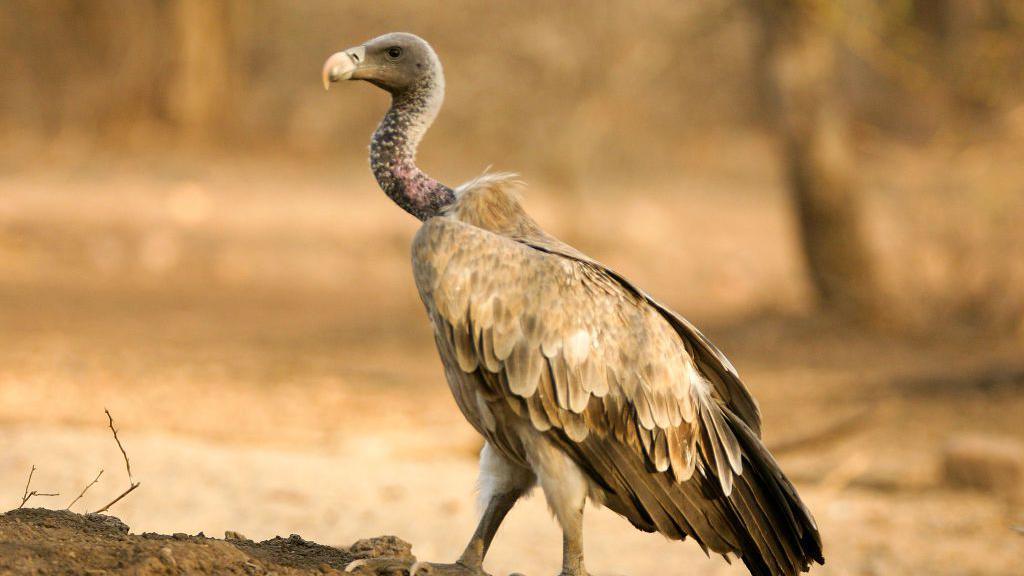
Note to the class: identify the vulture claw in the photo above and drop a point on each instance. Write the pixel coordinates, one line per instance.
(457, 569)
(415, 568)
(377, 566)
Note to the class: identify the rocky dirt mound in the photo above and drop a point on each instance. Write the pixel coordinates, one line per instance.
(51, 542)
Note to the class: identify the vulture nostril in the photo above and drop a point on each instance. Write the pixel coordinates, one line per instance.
(355, 57)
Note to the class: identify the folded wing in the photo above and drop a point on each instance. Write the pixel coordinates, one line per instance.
(620, 383)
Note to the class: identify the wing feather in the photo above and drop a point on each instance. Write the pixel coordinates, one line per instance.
(492, 290)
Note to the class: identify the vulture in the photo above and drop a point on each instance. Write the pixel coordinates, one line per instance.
(579, 381)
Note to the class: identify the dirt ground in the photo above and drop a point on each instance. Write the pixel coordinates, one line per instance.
(45, 542)
(257, 337)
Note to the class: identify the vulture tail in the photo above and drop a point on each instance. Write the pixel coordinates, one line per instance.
(759, 517)
(776, 534)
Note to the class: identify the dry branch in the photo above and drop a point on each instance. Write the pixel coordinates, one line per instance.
(127, 464)
(27, 495)
(116, 500)
(84, 490)
(28, 483)
(132, 485)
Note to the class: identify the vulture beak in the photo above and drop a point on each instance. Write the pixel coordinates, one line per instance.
(342, 65)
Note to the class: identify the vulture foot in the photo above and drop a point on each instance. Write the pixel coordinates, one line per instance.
(457, 569)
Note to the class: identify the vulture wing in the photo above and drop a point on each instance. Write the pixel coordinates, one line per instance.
(710, 361)
(531, 327)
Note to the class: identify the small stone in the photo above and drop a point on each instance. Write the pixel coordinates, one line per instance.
(179, 536)
(986, 463)
(381, 546)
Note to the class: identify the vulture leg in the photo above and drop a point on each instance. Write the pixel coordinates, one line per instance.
(566, 489)
(572, 546)
(502, 483)
(493, 515)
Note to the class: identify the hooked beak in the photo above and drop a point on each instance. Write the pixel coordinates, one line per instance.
(342, 65)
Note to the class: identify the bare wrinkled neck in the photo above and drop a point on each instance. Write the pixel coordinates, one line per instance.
(393, 150)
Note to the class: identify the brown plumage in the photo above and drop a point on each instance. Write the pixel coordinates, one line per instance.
(581, 382)
(531, 329)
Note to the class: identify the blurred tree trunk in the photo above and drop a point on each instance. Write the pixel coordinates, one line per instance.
(935, 18)
(201, 74)
(798, 72)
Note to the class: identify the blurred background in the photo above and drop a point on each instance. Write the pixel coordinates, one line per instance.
(190, 236)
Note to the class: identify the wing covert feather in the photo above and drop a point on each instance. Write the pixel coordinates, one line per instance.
(602, 361)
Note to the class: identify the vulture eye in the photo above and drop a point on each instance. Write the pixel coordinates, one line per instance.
(394, 53)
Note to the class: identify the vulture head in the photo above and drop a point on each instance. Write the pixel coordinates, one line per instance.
(407, 67)
(397, 62)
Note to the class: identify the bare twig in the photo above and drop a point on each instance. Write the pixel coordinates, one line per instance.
(27, 495)
(84, 490)
(132, 484)
(127, 464)
(116, 500)
(28, 483)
